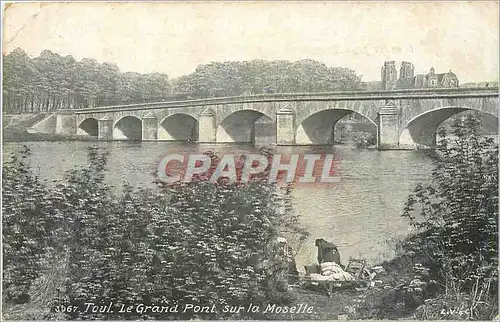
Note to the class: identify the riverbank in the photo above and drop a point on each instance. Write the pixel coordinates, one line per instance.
(382, 297)
(382, 300)
(17, 128)
(390, 297)
(23, 135)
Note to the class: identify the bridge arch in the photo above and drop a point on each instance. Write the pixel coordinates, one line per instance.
(178, 127)
(420, 131)
(247, 125)
(128, 127)
(88, 127)
(318, 128)
(368, 109)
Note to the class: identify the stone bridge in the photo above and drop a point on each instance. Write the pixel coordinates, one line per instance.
(404, 119)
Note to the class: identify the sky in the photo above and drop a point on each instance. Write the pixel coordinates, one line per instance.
(176, 37)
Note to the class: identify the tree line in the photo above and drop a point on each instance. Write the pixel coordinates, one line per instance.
(259, 76)
(50, 81)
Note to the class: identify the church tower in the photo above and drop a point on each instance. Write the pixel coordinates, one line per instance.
(407, 70)
(406, 75)
(389, 75)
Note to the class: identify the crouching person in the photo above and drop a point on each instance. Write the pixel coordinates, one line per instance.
(328, 252)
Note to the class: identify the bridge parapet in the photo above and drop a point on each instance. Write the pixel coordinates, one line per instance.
(315, 96)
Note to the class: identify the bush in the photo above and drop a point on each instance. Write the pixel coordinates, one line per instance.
(25, 204)
(447, 269)
(456, 214)
(198, 243)
(398, 291)
(477, 305)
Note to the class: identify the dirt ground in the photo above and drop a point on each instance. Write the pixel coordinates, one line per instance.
(323, 307)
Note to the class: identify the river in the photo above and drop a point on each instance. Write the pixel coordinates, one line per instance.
(361, 214)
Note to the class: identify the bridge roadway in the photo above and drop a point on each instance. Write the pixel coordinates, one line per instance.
(404, 119)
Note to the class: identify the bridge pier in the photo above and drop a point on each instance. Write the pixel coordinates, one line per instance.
(66, 123)
(149, 127)
(206, 127)
(264, 131)
(388, 127)
(285, 129)
(105, 128)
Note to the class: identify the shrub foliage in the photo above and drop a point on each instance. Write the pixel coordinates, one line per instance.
(456, 216)
(447, 269)
(194, 243)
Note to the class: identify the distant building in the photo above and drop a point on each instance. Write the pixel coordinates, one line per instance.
(432, 79)
(389, 75)
(407, 78)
